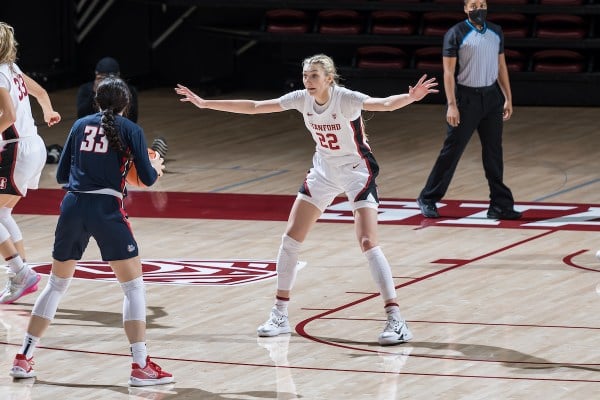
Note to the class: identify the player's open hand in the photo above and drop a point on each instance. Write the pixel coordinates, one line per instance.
(189, 96)
(423, 87)
(158, 163)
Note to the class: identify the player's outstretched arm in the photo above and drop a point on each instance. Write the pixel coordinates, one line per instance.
(417, 92)
(234, 106)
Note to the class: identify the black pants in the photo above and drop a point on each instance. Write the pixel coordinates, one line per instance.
(481, 109)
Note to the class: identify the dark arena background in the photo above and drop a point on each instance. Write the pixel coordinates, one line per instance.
(552, 46)
(499, 309)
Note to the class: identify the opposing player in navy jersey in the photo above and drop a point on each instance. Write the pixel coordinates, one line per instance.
(22, 158)
(92, 168)
(342, 163)
(478, 91)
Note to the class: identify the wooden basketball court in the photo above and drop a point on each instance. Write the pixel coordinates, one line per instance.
(499, 310)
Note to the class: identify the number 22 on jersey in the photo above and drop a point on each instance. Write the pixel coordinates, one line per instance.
(329, 140)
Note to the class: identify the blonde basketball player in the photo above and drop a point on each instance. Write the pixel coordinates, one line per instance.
(22, 161)
(342, 163)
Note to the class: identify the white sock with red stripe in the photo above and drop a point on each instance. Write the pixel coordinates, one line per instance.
(281, 303)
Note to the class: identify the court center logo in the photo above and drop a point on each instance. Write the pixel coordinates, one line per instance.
(181, 272)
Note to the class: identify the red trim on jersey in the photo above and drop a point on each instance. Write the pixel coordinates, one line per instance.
(306, 189)
(11, 176)
(358, 128)
(124, 214)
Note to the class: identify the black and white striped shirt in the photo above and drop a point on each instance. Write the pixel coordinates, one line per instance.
(476, 51)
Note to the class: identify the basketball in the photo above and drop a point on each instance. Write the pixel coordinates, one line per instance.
(132, 176)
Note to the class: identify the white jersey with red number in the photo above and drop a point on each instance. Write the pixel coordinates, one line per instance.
(336, 127)
(12, 80)
(23, 150)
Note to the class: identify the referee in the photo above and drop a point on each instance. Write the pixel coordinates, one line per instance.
(479, 97)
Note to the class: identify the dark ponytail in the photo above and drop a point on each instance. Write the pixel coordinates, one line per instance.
(112, 97)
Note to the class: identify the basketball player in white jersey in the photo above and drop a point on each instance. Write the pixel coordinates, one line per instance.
(342, 163)
(22, 160)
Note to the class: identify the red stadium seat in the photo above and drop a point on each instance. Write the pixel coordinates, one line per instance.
(381, 57)
(429, 59)
(436, 23)
(340, 22)
(560, 26)
(558, 61)
(495, 1)
(392, 22)
(513, 25)
(561, 2)
(287, 21)
(516, 61)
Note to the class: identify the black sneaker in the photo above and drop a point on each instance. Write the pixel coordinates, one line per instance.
(495, 212)
(160, 146)
(429, 210)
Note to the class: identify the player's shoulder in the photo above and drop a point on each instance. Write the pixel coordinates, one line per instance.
(296, 93)
(91, 119)
(347, 93)
(126, 123)
(5, 69)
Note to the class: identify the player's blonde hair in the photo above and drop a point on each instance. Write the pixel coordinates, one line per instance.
(8, 44)
(326, 63)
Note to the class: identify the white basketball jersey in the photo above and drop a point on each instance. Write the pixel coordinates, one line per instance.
(335, 134)
(14, 83)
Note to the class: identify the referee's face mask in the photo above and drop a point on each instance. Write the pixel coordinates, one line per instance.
(478, 15)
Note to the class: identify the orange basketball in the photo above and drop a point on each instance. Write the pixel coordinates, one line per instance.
(132, 176)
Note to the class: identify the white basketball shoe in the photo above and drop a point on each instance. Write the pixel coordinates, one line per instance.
(19, 284)
(276, 324)
(395, 332)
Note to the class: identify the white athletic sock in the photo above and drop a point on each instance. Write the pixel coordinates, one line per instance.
(16, 265)
(29, 343)
(281, 303)
(139, 353)
(393, 309)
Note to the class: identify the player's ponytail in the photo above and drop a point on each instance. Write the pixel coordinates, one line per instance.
(112, 98)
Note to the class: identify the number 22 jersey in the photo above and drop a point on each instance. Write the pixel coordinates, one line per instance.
(336, 127)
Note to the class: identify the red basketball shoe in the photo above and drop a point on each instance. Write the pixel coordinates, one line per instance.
(150, 375)
(22, 367)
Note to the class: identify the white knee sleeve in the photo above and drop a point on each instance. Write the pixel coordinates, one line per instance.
(45, 306)
(7, 220)
(4, 234)
(134, 303)
(381, 272)
(287, 261)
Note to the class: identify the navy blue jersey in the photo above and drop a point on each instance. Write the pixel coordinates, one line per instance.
(88, 163)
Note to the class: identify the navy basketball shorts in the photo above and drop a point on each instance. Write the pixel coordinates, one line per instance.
(101, 216)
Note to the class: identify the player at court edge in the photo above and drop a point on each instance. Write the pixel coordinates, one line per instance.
(92, 168)
(22, 159)
(342, 163)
